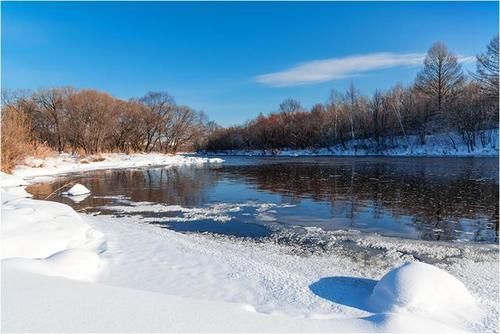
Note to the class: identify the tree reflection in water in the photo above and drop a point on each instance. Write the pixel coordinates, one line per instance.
(429, 198)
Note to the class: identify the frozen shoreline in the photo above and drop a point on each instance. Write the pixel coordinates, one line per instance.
(165, 286)
(66, 163)
(438, 145)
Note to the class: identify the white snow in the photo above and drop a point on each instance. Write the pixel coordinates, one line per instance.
(66, 272)
(66, 163)
(219, 212)
(8, 180)
(424, 289)
(38, 229)
(436, 145)
(77, 190)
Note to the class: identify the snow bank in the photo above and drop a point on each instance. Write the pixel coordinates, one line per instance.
(48, 238)
(13, 185)
(424, 289)
(77, 190)
(273, 279)
(66, 163)
(76, 264)
(39, 229)
(42, 304)
(8, 180)
(436, 145)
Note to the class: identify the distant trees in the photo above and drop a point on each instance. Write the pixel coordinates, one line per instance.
(442, 99)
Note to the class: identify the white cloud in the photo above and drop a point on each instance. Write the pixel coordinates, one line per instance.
(318, 71)
(466, 59)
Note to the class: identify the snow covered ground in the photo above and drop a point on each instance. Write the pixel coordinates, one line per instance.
(66, 163)
(63, 272)
(436, 145)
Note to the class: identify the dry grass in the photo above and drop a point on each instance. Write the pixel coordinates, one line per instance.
(97, 158)
(16, 141)
(15, 137)
(41, 150)
(92, 158)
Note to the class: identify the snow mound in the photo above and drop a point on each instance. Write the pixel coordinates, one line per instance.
(424, 289)
(8, 180)
(48, 238)
(77, 190)
(76, 264)
(37, 229)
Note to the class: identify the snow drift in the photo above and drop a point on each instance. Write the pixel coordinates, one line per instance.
(426, 290)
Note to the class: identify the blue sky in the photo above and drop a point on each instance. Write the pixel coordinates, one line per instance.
(233, 60)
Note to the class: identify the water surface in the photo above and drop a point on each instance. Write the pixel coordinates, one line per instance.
(417, 198)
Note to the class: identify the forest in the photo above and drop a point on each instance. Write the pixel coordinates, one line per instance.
(442, 99)
(89, 122)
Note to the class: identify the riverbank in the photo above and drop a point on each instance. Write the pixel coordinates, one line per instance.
(437, 145)
(67, 163)
(61, 268)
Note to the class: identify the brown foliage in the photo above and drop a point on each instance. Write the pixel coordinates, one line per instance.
(15, 137)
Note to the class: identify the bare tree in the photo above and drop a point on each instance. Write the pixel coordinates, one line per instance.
(181, 128)
(352, 100)
(288, 113)
(159, 106)
(441, 77)
(334, 102)
(92, 120)
(52, 106)
(487, 71)
(395, 102)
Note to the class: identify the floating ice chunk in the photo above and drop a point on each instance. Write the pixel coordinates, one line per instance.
(424, 289)
(77, 190)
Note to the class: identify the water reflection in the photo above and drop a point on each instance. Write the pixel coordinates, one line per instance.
(183, 186)
(443, 198)
(426, 198)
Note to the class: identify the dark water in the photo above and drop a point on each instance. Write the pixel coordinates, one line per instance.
(417, 198)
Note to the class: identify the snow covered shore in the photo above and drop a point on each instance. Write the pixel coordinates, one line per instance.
(66, 163)
(63, 272)
(439, 145)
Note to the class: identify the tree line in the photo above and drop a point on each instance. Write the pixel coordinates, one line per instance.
(93, 121)
(442, 99)
(89, 121)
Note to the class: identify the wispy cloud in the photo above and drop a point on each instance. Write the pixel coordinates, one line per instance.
(319, 71)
